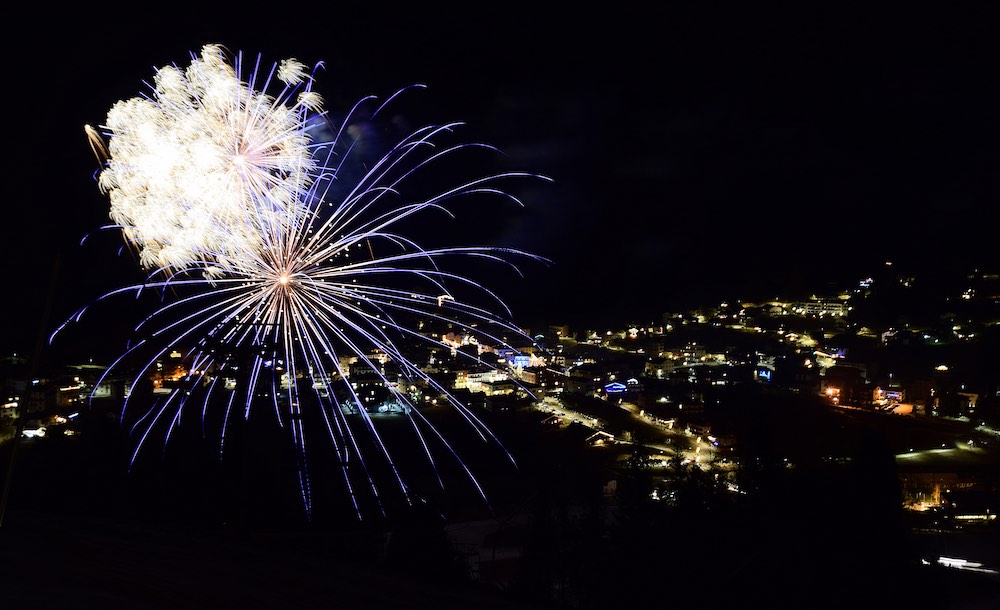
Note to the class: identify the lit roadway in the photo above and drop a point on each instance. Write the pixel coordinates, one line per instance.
(656, 436)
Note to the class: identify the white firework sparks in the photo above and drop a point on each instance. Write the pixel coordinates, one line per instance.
(207, 167)
(278, 281)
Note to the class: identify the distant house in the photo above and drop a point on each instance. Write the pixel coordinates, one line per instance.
(822, 307)
(658, 368)
(600, 438)
(500, 387)
(579, 385)
(584, 378)
(792, 374)
(846, 385)
(615, 388)
(888, 394)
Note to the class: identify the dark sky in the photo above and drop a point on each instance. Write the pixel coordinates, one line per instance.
(696, 156)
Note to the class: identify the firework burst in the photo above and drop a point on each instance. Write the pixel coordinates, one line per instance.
(275, 273)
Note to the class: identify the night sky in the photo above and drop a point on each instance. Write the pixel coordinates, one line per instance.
(694, 156)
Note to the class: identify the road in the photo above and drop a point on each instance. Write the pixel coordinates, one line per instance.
(657, 435)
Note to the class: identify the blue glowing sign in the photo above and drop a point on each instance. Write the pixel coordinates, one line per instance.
(614, 388)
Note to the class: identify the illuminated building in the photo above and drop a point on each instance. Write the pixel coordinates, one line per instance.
(822, 307)
(888, 395)
(660, 368)
(847, 384)
(479, 379)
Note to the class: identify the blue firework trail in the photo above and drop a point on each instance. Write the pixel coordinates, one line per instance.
(274, 267)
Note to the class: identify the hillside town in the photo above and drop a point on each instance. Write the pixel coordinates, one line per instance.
(734, 390)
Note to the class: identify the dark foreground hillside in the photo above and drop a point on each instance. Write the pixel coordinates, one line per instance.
(179, 532)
